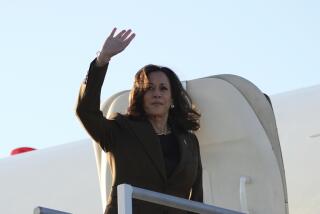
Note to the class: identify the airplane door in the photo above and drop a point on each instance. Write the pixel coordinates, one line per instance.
(241, 155)
(242, 163)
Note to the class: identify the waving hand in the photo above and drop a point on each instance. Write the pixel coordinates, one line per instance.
(114, 44)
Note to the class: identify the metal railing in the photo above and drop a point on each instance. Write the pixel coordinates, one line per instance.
(127, 192)
(43, 210)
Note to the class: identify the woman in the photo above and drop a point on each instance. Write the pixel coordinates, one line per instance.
(152, 146)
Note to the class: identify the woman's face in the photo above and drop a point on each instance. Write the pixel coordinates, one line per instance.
(157, 99)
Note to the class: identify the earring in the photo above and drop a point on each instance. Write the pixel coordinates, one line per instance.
(171, 106)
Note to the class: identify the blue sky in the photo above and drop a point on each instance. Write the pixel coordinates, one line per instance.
(46, 47)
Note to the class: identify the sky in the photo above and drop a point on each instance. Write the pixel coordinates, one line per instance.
(47, 46)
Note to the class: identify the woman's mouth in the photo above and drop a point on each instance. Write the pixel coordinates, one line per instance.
(156, 104)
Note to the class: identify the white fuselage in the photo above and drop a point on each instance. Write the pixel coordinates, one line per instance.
(67, 177)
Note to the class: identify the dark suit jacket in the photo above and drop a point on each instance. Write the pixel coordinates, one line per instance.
(135, 154)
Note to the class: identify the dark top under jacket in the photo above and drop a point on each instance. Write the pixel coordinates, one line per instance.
(135, 153)
(170, 151)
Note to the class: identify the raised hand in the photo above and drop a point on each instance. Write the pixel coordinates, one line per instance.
(114, 45)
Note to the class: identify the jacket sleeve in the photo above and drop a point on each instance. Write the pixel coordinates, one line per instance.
(88, 107)
(197, 189)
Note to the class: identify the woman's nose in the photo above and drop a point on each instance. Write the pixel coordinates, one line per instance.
(157, 93)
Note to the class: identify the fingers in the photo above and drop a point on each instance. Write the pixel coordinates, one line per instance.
(113, 32)
(129, 39)
(119, 35)
(123, 35)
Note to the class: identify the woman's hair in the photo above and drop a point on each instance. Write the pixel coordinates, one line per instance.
(182, 117)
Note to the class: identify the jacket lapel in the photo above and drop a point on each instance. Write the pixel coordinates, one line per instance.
(150, 142)
(183, 149)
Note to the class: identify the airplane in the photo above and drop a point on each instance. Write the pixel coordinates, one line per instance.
(259, 155)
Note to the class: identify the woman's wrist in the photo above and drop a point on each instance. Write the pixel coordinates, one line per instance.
(102, 61)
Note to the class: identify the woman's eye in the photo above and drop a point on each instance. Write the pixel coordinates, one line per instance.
(150, 88)
(164, 88)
